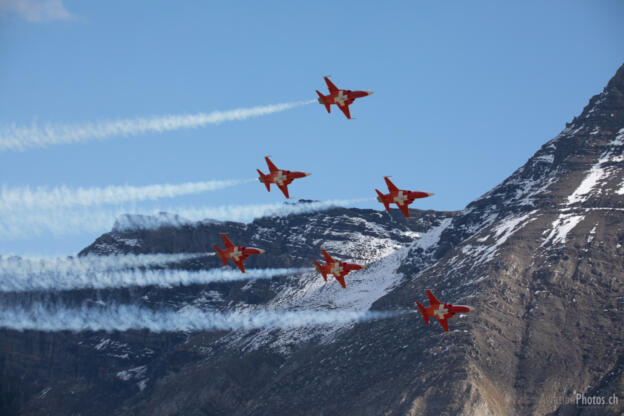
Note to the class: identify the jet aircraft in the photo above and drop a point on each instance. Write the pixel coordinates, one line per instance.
(441, 311)
(281, 178)
(338, 268)
(342, 98)
(238, 254)
(400, 197)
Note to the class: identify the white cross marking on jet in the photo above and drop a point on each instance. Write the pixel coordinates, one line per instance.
(400, 198)
(336, 270)
(280, 178)
(440, 312)
(236, 254)
(341, 98)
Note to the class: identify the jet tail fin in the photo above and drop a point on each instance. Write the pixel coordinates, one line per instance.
(382, 200)
(423, 313)
(320, 269)
(263, 179)
(322, 101)
(220, 254)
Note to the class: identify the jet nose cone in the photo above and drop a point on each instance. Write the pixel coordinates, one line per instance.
(430, 194)
(261, 251)
(307, 174)
(364, 267)
(369, 92)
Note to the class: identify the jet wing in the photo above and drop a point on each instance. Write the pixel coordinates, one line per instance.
(345, 110)
(391, 186)
(284, 189)
(228, 243)
(330, 85)
(404, 209)
(240, 265)
(328, 258)
(444, 323)
(432, 299)
(272, 167)
(341, 281)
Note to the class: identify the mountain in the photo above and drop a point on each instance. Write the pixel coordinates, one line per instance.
(539, 258)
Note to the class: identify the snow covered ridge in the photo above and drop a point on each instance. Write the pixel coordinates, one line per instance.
(529, 181)
(608, 165)
(601, 98)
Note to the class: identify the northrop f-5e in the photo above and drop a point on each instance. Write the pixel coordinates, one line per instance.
(237, 254)
(400, 197)
(338, 268)
(342, 98)
(441, 311)
(281, 178)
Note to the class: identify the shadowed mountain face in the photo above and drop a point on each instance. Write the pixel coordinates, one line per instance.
(539, 258)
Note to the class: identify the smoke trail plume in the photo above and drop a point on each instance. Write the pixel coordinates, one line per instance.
(27, 268)
(21, 138)
(61, 197)
(43, 317)
(241, 213)
(63, 222)
(128, 278)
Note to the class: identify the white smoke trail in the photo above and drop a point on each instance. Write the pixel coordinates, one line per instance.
(42, 317)
(62, 197)
(23, 268)
(241, 213)
(104, 280)
(65, 222)
(13, 137)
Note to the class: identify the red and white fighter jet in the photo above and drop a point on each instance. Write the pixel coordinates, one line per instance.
(342, 98)
(441, 311)
(338, 268)
(281, 178)
(238, 254)
(400, 197)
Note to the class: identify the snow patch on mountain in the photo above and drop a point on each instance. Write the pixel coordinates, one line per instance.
(601, 98)
(432, 237)
(591, 235)
(484, 253)
(130, 242)
(546, 158)
(526, 183)
(561, 227)
(136, 373)
(599, 171)
(129, 374)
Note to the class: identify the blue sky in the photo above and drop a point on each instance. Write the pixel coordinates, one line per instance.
(465, 93)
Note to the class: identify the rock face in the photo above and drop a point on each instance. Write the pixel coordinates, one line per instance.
(540, 258)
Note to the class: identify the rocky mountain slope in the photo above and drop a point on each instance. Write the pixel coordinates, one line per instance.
(540, 258)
